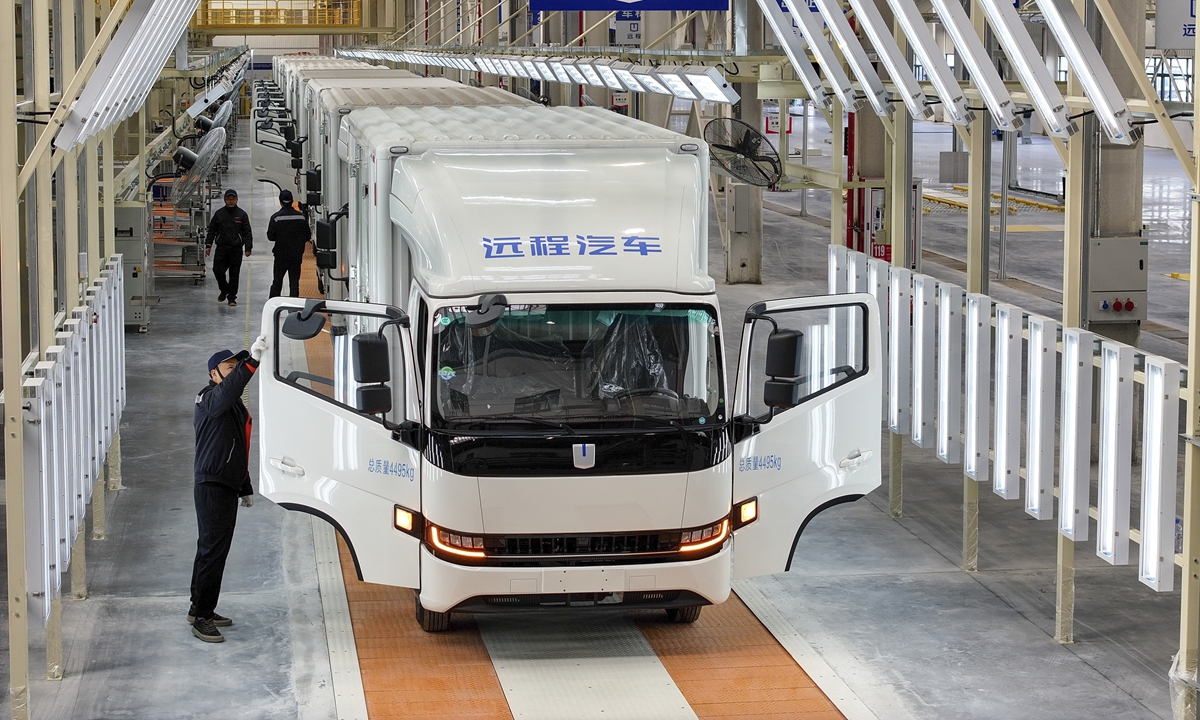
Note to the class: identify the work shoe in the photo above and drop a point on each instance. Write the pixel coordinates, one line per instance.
(232, 302)
(221, 297)
(218, 620)
(204, 629)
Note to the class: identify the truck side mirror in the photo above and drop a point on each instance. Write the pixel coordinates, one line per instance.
(326, 235)
(312, 181)
(785, 352)
(304, 324)
(289, 132)
(372, 369)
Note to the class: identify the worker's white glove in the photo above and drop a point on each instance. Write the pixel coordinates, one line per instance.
(247, 501)
(259, 347)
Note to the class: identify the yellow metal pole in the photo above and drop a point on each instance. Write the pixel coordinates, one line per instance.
(13, 352)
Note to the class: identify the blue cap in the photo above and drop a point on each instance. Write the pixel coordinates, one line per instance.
(222, 355)
(231, 193)
(285, 196)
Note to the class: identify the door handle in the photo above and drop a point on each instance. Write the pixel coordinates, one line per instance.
(855, 458)
(287, 467)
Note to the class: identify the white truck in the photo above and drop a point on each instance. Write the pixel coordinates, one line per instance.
(525, 402)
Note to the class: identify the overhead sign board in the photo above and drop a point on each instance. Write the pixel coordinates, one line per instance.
(628, 28)
(1175, 25)
(628, 5)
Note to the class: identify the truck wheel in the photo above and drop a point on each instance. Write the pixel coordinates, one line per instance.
(689, 614)
(432, 621)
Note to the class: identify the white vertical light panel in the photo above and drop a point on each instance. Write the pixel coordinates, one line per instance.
(1116, 449)
(1075, 435)
(949, 374)
(857, 272)
(1160, 467)
(979, 386)
(1006, 445)
(837, 268)
(900, 339)
(924, 361)
(879, 285)
(1039, 417)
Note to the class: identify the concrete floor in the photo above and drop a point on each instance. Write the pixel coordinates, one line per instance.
(881, 599)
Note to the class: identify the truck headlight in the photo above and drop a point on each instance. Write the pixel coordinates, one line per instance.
(745, 512)
(705, 537)
(463, 545)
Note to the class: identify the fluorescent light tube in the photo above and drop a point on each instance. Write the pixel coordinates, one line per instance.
(1040, 383)
(574, 72)
(780, 20)
(1030, 68)
(809, 23)
(593, 77)
(949, 374)
(605, 70)
(979, 62)
(1160, 468)
(1116, 447)
(669, 75)
(649, 80)
(556, 66)
(510, 68)
(855, 56)
(927, 51)
(978, 387)
(1076, 44)
(624, 74)
(1006, 445)
(710, 83)
(544, 68)
(1075, 435)
(900, 340)
(924, 360)
(531, 69)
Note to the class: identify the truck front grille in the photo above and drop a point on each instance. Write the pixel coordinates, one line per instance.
(564, 546)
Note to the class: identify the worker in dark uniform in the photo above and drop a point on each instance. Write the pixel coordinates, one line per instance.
(230, 229)
(222, 471)
(289, 231)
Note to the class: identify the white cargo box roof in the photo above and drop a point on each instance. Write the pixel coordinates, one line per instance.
(530, 198)
(418, 92)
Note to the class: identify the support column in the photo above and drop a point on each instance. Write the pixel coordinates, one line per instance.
(743, 252)
(597, 38)
(44, 272)
(11, 350)
(837, 165)
(979, 204)
(113, 463)
(106, 223)
(900, 225)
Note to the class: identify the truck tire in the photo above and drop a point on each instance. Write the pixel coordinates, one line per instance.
(689, 614)
(432, 621)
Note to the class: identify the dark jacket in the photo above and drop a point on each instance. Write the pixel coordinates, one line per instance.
(230, 227)
(289, 231)
(223, 427)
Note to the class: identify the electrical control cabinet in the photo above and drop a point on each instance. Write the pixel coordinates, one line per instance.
(1117, 279)
(131, 230)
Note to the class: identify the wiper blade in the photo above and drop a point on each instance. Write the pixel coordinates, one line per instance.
(535, 420)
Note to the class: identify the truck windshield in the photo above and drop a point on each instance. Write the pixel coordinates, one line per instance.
(578, 367)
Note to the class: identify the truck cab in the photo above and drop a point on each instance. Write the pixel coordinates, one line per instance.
(525, 402)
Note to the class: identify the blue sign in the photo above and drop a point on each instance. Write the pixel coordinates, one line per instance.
(628, 5)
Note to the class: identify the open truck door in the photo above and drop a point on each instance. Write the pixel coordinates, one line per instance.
(336, 395)
(271, 156)
(807, 413)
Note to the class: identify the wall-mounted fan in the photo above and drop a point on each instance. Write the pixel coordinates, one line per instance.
(219, 119)
(207, 154)
(587, 100)
(742, 152)
(530, 95)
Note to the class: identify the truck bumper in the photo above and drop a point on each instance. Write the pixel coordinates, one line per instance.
(447, 586)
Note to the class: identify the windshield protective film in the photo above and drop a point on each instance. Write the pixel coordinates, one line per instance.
(577, 366)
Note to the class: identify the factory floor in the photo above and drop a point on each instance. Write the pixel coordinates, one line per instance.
(875, 608)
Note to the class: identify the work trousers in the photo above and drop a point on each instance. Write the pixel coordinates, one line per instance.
(216, 514)
(290, 266)
(227, 261)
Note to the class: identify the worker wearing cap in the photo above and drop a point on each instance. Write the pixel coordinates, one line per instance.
(230, 229)
(222, 472)
(289, 231)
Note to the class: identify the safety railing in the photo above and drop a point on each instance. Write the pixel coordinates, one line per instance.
(959, 365)
(278, 13)
(71, 403)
